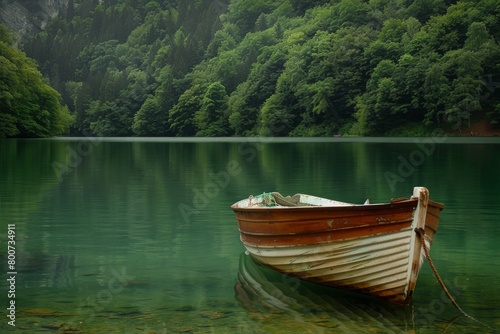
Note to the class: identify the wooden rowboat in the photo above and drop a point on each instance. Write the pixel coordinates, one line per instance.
(369, 248)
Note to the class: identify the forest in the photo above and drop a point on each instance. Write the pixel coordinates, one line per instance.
(255, 68)
(29, 107)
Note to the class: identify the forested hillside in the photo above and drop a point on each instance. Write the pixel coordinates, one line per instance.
(29, 107)
(273, 68)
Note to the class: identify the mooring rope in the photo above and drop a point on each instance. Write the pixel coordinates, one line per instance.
(421, 233)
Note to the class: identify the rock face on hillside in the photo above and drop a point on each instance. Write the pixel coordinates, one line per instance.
(25, 17)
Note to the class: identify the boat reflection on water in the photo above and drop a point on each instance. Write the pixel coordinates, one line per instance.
(279, 302)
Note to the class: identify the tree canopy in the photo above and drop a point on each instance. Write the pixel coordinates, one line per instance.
(273, 68)
(29, 107)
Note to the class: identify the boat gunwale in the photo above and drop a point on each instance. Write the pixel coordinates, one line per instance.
(356, 207)
(374, 206)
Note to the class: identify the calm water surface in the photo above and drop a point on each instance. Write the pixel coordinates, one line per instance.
(136, 235)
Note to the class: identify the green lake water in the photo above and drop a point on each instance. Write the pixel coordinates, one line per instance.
(137, 235)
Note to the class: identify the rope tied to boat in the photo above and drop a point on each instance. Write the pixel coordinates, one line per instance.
(421, 233)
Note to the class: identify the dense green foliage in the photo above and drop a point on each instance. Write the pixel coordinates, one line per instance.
(29, 107)
(274, 68)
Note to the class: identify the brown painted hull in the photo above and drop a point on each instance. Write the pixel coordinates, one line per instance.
(371, 249)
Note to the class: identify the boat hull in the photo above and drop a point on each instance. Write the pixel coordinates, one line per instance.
(372, 249)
